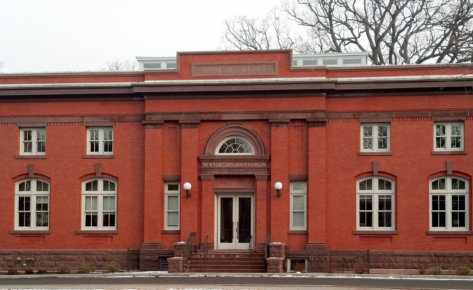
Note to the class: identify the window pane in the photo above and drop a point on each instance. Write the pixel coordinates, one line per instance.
(367, 143)
(108, 146)
(236, 145)
(109, 203)
(24, 219)
(365, 202)
(173, 187)
(458, 219)
(24, 203)
(440, 130)
(173, 219)
(42, 186)
(384, 202)
(94, 134)
(439, 184)
(301, 186)
(298, 219)
(298, 202)
(109, 219)
(366, 219)
(458, 184)
(366, 184)
(42, 219)
(107, 134)
(440, 142)
(384, 219)
(382, 143)
(367, 131)
(173, 203)
(91, 219)
(91, 185)
(91, 203)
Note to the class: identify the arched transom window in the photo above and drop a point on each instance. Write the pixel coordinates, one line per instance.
(449, 204)
(99, 204)
(235, 145)
(32, 205)
(375, 204)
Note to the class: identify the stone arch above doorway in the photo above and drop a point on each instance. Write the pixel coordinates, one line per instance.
(255, 164)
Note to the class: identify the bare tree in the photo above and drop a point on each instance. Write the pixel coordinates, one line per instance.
(121, 65)
(390, 31)
(258, 34)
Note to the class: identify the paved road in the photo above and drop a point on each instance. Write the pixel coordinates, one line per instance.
(137, 281)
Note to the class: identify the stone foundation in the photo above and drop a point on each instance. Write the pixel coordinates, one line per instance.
(322, 260)
(50, 260)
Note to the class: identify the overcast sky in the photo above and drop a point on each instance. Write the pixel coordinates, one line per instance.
(83, 35)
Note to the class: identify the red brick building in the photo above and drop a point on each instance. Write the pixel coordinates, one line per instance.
(320, 162)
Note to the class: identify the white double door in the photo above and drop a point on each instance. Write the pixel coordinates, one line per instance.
(234, 221)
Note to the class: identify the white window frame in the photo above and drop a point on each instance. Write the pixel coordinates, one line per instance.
(33, 194)
(101, 141)
(248, 143)
(448, 192)
(172, 193)
(375, 137)
(375, 193)
(299, 193)
(99, 194)
(448, 136)
(34, 141)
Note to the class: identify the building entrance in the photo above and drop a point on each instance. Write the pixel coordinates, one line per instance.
(235, 221)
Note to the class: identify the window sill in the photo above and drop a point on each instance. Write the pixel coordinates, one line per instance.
(29, 233)
(170, 232)
(30, 156)
(98, 156)
(297, 232)
(460, 152)
(449, 233)
(97, 232)
(380, 153)
(375, 233)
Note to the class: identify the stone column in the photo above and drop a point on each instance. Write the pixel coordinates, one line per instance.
(277, 257)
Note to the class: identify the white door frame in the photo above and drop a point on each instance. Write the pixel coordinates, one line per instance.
(235, 244)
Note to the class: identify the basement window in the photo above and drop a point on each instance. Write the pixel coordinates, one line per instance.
(297, 265)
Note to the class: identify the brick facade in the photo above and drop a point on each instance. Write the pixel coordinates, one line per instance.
(304, 126)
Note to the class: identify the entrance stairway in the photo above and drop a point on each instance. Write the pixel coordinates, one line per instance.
(227, 261)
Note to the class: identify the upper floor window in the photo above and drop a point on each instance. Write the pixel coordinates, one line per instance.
(235, 145)
(298, 204)
(100, 141)
(99, 204)
(449, 205)
(375, 204)
(172, 207)
(31, 205)
(448, 136)
(32, 141)
(375, 138)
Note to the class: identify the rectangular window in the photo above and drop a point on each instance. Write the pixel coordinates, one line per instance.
(375, 138)
(298, 206)
(33, 141)
(172, 206)
(448, 136)
(100, 141)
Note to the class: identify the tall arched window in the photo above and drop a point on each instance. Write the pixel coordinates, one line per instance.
(235, 145)
(99, 204)
(375, 204)
(32, 204)
(449, 210)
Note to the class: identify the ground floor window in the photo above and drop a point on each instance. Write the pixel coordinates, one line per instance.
(32, 205)
(172, 205)
(449, 208)
(99, 203)
(375, 204)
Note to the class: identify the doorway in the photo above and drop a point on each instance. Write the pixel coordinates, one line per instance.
(234, 221)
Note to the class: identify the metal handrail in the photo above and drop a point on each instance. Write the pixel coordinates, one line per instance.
(190, 247)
